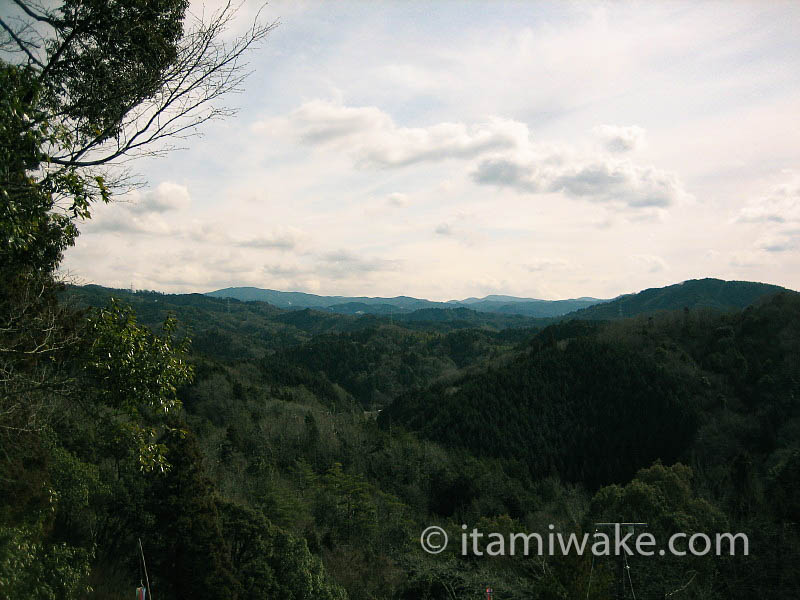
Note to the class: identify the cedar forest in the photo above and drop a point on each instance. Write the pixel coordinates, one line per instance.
(258, 452)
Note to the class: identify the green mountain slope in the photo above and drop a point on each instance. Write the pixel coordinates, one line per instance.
(710, 293)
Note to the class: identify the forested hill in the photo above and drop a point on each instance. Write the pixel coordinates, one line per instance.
(333, 440)
(710, 293)
(592, 403)
(225, 327)
(229, 328)
(354, 361)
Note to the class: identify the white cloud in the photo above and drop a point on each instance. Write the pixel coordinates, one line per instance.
(142, 213)
(344, 264)
(397, 200)
(165, 197)
(127, 223)
(651, 263)
(780, 240)
(319, 121)
(332, 265)
(205, 232)
(620, 139)
(374, 140)
(600, 178)
(776, 216)
(286, 239)
(781, 205)
(747, 259)
(443, 229)
(546, 264)
(284, 270)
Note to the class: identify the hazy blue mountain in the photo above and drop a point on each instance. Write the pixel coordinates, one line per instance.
(303, 300)
(695, 293)
(708, 293)
(276, 298)
(509, 305)
(495, 298)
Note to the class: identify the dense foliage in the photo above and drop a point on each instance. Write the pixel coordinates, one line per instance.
(507, 430)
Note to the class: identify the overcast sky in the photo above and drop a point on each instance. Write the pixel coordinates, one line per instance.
(453, 149)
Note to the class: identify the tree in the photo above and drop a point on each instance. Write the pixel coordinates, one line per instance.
(663, 497)
(85, 86)
(271, 563)
(116, 78)
(91, 83)
(136, 375)
(191, 558)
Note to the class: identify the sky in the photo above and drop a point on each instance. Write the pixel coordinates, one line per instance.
(452, 149)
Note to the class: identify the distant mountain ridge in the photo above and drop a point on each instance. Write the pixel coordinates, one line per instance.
(711, 293)
(509, 305)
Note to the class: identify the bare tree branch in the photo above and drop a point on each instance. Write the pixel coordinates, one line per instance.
(20, 43)
(41, 18)
(204, 70)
